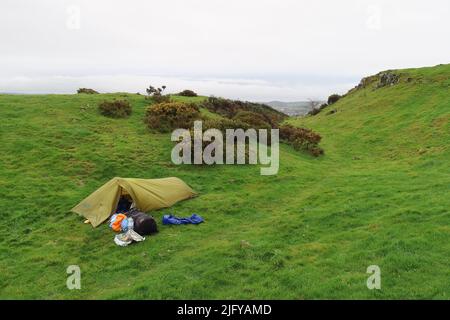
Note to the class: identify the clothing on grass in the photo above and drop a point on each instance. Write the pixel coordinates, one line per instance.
(171, 219)
(116, 221)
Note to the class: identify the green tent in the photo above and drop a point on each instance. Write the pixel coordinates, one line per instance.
(147, 194)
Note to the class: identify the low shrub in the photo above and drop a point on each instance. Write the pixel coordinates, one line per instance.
(253, 119)
(222, 125)
(333, 98)
(87, 91)
(158, 98)
(167, 116)
(187, 93)
(229, 108)
(301, 139)
(115, 108)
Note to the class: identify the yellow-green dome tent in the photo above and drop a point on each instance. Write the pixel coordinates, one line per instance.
(147, 194)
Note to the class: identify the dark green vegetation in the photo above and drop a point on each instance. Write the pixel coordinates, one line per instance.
(87, 91)
(379, 195)
(167, 116)
(115, 108)
(187, 93)
(223, 114)
(231, 108)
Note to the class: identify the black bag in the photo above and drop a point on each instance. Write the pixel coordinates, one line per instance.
(143, 224)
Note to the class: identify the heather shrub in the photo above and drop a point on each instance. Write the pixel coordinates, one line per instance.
(115, 108)
(229, 108)
(168, 116)
(301, 139)
(252, 119)
(222, 125)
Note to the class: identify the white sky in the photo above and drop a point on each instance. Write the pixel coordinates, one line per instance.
(248, 49)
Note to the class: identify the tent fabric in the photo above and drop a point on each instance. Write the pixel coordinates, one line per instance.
(147, 194)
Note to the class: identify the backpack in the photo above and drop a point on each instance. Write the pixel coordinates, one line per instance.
(143, 224)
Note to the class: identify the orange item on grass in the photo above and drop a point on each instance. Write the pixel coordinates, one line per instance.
(116, 225)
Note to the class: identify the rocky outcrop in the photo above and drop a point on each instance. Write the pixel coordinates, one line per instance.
(387, 78)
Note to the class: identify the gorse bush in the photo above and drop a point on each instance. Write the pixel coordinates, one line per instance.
(168, 116)
(187, 93)
(87, 91)
(115, 108)
(301, 139)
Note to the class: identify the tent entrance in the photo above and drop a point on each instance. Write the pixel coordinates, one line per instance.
(125, 201)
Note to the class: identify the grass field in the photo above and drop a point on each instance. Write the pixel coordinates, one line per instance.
(379, 196)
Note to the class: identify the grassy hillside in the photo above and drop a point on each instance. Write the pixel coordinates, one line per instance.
(379, 195)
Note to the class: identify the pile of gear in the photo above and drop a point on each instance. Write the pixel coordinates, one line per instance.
(132, 223)
(124, 201)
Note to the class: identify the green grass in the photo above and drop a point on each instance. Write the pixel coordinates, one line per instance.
(380, 195)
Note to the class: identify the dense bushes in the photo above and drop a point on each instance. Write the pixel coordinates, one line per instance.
(253, 119)
(333, 98)
(159, 98)
(167, 116)
(187, 93)
(87, 91)
(230, 108)
(115, 108)
(301, 139)
(223, 124)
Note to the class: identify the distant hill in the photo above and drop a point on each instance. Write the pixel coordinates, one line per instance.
(295, 108)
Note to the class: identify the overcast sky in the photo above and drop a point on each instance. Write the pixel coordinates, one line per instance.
(249, 49)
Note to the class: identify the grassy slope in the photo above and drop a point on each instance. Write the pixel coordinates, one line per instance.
(380, 196)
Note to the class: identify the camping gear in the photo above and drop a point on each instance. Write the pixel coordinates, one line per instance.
(133, 220)
(116, 221)
(171, 219)
(128, 237)
(142, 223)
(127, 224)
(147, 194)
